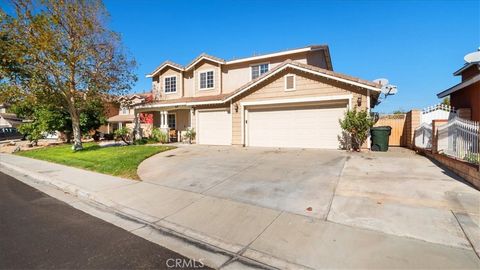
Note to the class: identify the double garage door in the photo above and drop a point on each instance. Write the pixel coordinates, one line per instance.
(305, 127)
(314, 126)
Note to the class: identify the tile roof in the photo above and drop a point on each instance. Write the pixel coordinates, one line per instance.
(227, 97)
(190, 99)
(168, 62)
(309, 67)
(204, 55)
(121, 118)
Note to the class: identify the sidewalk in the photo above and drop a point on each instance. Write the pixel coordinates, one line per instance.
(230, 235)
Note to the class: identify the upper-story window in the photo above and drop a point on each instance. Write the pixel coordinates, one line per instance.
(206, 80)
(170, 84)
(258, 70)
(124, 110)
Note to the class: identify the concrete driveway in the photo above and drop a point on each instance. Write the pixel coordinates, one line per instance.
(398, 192)
(299, 181)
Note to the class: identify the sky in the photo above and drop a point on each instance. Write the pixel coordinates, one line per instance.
(416, 45)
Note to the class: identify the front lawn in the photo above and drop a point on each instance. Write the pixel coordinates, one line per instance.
(119, 161)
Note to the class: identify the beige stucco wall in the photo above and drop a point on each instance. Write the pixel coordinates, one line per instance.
(183, 119)
(236, 75)
(158, 84)
(307, 85)
(203, 66)
(227, 77)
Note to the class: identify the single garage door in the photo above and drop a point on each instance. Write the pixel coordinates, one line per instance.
(214, 127)
(304, 127)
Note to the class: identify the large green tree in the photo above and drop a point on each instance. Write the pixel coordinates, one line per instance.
(60, 53)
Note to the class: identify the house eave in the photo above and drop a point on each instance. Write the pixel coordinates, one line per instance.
(459, 86)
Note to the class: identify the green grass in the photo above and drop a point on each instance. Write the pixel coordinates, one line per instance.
(119, 161)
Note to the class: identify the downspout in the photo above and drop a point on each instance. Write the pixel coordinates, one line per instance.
(368, 111)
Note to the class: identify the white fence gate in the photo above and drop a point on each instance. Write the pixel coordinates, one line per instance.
(436, 112)
(460, 138)
(423, 136)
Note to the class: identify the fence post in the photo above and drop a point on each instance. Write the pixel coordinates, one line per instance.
(412, 122)
(435, 124)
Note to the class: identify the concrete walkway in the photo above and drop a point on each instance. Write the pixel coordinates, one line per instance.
(229, 234)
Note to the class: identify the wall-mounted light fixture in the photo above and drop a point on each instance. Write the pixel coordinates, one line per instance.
(359, 101)
(236, 107)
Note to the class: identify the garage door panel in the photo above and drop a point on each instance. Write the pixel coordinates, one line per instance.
(214, 127)
(305, 127)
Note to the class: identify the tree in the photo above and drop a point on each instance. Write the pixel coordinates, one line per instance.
(47, 118)
(357, 124)
(63, 55)
(446, 101)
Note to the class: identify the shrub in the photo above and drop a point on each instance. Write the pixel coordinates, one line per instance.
(159, 136)
(190, 134)
(357, 125)
(32, 132)
(123, 134)
(141, 141)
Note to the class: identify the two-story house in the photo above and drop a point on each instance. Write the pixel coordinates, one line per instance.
(121, 113)
(465, 96)
(284, 99)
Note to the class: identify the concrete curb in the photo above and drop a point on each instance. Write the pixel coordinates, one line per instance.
(236, 252)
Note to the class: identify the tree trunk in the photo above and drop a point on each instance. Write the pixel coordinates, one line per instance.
(77, 133)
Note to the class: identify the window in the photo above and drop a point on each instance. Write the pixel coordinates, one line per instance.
(290, 82)
(259, 70)
(170, 85)
(171, 121)
(206, 80)
(124, 110)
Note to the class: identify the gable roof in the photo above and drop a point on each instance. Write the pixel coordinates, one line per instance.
(220, 99)
(164, 65)
(215, 59)
(286, 52)
(202, 57)
(309, 69)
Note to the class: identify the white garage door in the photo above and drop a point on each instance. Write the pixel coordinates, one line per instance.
(305, 127)
(214, 127)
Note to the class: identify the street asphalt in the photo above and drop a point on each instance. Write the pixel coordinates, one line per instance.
(40, 232)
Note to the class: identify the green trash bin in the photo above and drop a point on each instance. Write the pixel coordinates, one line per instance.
(380, 137)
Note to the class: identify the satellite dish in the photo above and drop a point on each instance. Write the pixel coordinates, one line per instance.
(393, 89)
(472, 57)
(381, 81)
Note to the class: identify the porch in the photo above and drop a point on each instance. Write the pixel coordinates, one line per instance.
(119, 121)
(174, 121)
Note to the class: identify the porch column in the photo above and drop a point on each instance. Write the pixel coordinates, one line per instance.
(108, 127)
(137, 133)
(192, 117)
(164, 122)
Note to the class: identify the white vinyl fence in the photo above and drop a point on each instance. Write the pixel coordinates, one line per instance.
(459, 138)
(439, 111)
(423, 136)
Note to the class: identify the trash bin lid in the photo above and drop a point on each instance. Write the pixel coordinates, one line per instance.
(382, 128)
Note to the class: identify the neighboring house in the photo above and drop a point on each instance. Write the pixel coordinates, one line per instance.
(124, 114)
(465, 96)
(8, 119)
(285, 99)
